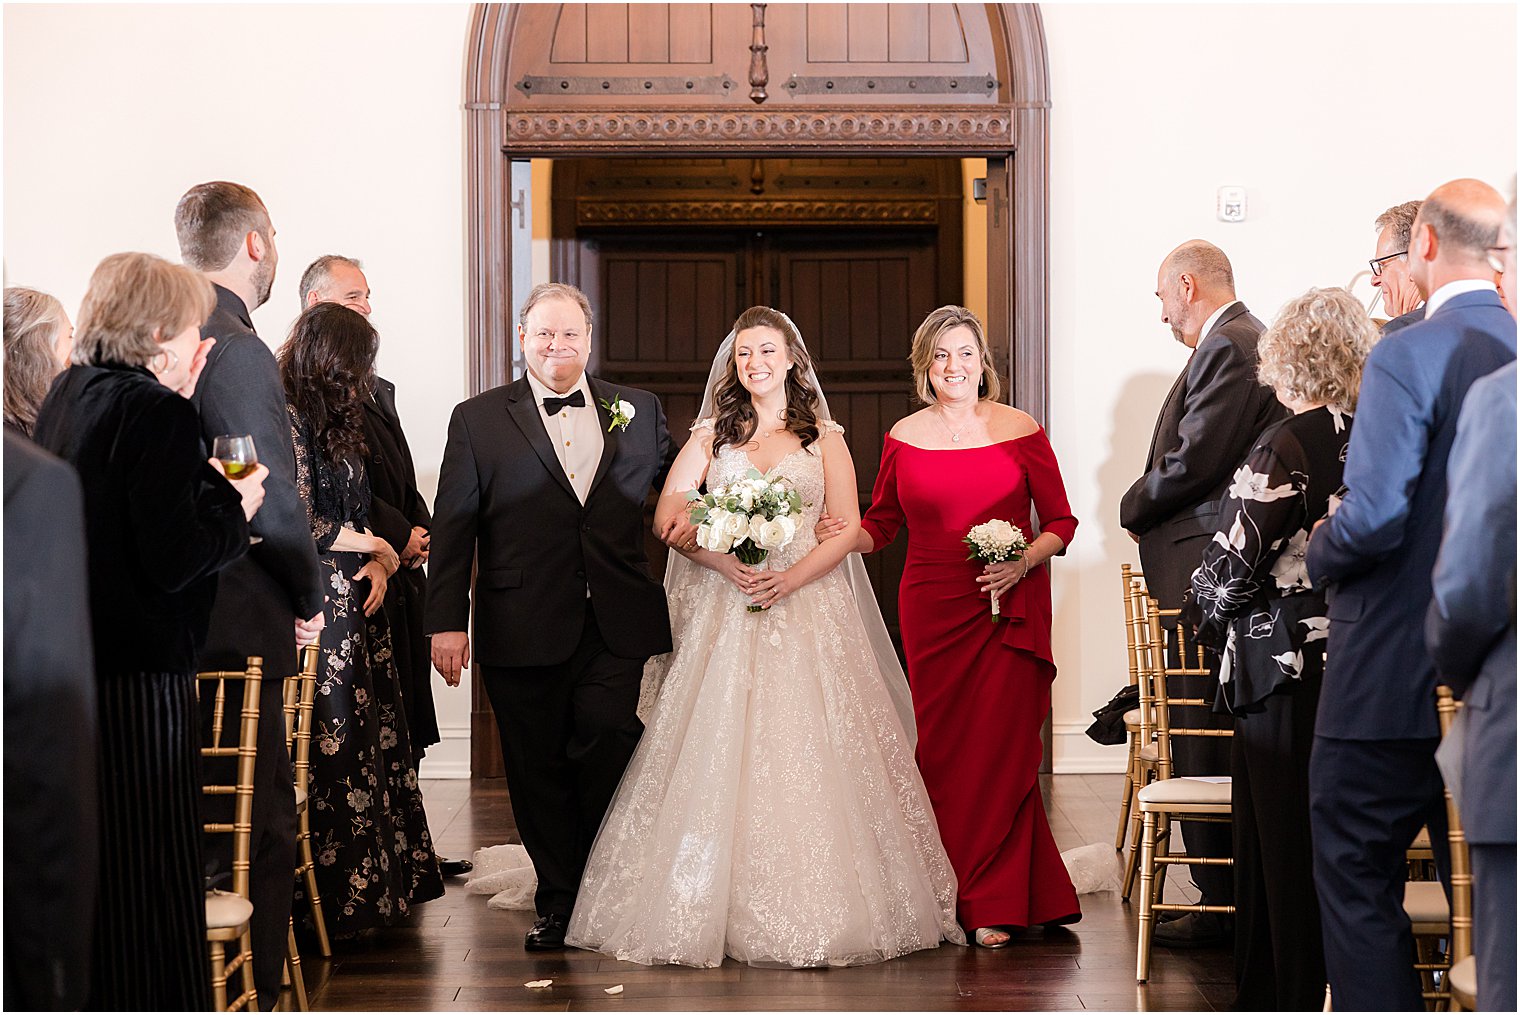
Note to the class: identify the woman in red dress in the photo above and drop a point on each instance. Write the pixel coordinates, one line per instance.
(981, 689)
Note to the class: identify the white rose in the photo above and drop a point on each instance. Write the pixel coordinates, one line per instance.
(715, 518)
(735, 526)
(756, 527)
(747, 499)
(772, 535)
(788, 524)
(626, 409)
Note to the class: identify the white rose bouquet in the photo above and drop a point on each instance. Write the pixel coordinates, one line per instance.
(996, 542)
(749, 518)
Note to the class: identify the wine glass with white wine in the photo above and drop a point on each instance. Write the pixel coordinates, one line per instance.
(238, 457)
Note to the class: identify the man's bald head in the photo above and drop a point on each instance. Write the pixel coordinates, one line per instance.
(1453, 232)
(1194, 280)
(1206, 263)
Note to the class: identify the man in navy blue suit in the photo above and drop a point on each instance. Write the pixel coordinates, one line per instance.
(1471, 633)
(1373, 777)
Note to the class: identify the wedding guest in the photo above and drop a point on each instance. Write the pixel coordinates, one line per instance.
(1390, 267)
(1470, 629)
(1215, 411)
(1251, 601)
(160, 522)
(398, 514)
(38, 340)
(1373, 779)
(374, 852)
(52, 828)
(981, 690)
(271, 598)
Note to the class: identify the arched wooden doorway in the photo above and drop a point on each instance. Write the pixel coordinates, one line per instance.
(756, 80)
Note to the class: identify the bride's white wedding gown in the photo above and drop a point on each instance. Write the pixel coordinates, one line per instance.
(773, 811)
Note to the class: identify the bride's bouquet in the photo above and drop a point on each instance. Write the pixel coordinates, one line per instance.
(749, 518)
(996, 542)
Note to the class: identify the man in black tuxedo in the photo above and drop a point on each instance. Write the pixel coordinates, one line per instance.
(1390, 267)
(51, 818)
(270, 599)
(545, 485)
(1213, 414)
(1373, 779)
(398, 514)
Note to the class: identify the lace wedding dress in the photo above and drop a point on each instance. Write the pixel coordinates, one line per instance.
(773, 811)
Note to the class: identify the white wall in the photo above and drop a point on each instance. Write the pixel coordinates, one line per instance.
(346, 119)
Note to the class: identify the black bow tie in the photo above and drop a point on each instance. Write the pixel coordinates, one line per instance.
(575, 400)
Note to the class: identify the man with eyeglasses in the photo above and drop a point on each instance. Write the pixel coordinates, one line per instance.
(1390, 267)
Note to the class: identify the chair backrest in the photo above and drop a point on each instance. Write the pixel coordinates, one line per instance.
(1171, 652)
(300, 695)
(1447, 707)
(245, 749)
(1136, 631)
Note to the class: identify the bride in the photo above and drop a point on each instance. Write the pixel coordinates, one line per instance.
(773, 811)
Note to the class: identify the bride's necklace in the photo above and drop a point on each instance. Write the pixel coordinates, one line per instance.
(781, 419)
(955, 435)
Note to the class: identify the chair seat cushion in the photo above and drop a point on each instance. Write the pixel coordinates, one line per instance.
(1464, 979)
(1185, 792)
(1149, 754)
(1422, 840)
(225, 910)
(1425, 902)
(300, 799)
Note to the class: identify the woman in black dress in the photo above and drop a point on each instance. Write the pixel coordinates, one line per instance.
(374, 855)
(1251, 599)
(160, 521)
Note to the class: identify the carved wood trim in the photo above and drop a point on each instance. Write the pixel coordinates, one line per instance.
(926, 130)
(592, 213)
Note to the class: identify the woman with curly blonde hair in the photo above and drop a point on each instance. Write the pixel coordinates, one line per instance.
(1251, 599)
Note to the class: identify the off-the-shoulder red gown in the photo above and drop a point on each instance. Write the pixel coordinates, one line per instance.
(981, 689)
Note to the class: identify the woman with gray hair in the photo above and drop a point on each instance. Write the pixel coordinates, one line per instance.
(160, 522)
(1251, 599)
(38, 337)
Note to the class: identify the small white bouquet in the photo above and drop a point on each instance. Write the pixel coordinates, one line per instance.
(749, 518)
(996, 542)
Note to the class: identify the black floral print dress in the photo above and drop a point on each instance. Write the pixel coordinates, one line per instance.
(1251, 596)
(374, 854)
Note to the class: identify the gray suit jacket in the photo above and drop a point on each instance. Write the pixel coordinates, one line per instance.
(1470, 627)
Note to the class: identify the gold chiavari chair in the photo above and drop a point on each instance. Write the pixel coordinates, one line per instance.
(1143, 750)
(1170, 798)
(1133, 637)
(1433, 918)
(300, 693)
(228, 914)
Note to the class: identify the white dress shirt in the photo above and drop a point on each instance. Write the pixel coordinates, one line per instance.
(575, 432)
(1208, 325)
(1458, 288)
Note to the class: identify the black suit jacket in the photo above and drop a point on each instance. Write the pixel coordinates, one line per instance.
(51, 848)
(260, 596)
(503, 497)
(395, 507)
(1403, 321)
(1212, 416)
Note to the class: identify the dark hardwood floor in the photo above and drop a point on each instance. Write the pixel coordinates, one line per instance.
(460, 956)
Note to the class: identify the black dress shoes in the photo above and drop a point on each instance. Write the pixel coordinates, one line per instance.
(454, 868)
(547, 934)
(1196, 930)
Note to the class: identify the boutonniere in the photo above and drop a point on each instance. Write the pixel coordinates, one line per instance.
(622, 413)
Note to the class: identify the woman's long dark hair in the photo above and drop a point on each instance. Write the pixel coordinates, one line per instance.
(328, 368)
(736, 419)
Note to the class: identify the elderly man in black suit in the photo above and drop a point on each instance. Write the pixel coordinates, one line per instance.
(1470, 630)
(544, 480)
(1402, 298)
(398, 514)
(270, 599)
(1215, 410)
(51, 848)
(1372, 778)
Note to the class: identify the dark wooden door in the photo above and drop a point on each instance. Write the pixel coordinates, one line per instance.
(664, 303)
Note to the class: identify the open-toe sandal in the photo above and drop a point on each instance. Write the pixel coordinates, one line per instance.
(983, 933)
